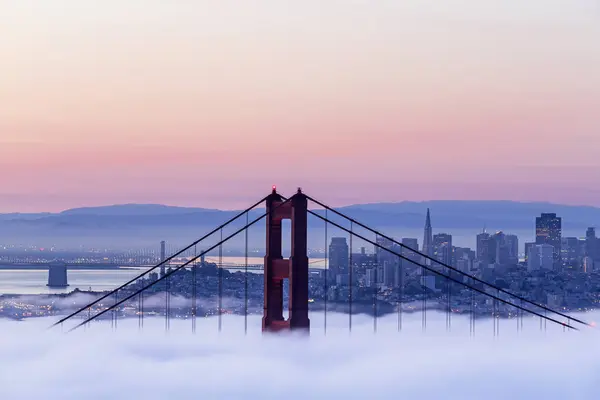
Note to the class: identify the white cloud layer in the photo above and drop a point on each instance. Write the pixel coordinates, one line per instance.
(128, 364)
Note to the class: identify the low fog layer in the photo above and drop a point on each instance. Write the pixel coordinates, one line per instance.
(98, 363)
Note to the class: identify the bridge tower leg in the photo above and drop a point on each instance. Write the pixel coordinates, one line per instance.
(295, 269)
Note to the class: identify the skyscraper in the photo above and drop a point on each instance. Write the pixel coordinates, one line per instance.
(548, 230)
(571, 252)
(410, 243)
(338, 256)
(483, 248)
(428, 236)
(408, 266)
(528, 247)
(505, 248)
(533, 258)
(387, 262)
(512, 246)
(442, 248)
(592, 244)
(541, 257)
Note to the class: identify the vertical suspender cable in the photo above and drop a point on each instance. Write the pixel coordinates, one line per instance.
(140, 311)
(194, 289)
(246, 280)
(521, 317)
(471, 315)
(350, 279)
(494, 315)
(115, 311)
(401, 294)
(424, 301)
(498, 316)
(326, 284)
(220, 311)
(167, 302)
(448, 302)
(375, 286)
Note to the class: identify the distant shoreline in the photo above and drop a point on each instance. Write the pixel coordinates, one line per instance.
(44, 267)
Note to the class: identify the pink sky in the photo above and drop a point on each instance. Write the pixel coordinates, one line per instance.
(205, 103)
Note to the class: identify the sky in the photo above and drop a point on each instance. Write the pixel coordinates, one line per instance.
(204, 103)
(98, 363)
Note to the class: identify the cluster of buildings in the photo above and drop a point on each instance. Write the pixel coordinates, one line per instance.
(496, 255)
(561, 272)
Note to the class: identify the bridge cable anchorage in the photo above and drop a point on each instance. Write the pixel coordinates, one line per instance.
(246, 279)
(169, 273)
(168, 259)
(326, 285)
(431, 259)
(442, 274)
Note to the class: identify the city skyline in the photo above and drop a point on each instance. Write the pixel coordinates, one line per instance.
(192, 103)
(384, 180)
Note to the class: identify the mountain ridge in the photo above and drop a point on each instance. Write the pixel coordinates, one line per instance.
(164, 209)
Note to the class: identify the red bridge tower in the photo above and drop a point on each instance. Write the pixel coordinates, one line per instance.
(295, 269)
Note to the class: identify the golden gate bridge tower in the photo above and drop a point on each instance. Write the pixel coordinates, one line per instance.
(294, 269)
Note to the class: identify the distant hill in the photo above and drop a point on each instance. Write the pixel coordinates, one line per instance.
(137, 224)
(134, 210)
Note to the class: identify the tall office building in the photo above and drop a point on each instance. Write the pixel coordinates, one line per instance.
(512, 245)
(484, 254)
(570, 249)
(541, 257)
(463, 258)
(413, 244)
(528, 247)
(548, 230)
(338, 257)
(592, 244)
(546, 256)
(388, 263)
(442, 248)
(409, 267)
(588, 265)
(533, 259)
(505, 249)
(428, 236)
(500, 249)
